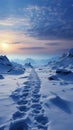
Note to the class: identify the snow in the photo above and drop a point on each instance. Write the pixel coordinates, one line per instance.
(57, 96)
(37, 98)
(7, 106)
